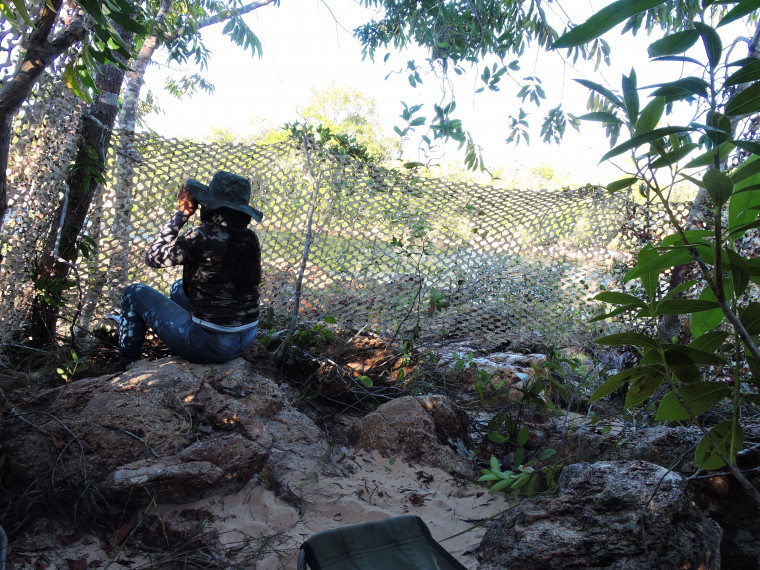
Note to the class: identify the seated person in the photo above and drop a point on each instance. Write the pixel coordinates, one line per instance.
(212, 313)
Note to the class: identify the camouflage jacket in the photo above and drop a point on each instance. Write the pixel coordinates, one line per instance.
(221, 269)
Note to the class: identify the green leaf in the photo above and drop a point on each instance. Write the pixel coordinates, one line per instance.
(496, 437)
(748, 168)
(631, 97)
(743, 201)
(682, 88)
(616, 298)
(710, 342)
(745, 102)
(682, 367)
(750, 318)
(615, 382)
(718, 185)
(642, 388)
(707, 456)
(618, 185)
(739, 11)
(749, 146)
(602, 90)
(673, 44)
(684, 306)
(601, 117)
(650, 116)
(650, 281)
(667, 260)
(646, 138)
(674, 156)
(708, 158)
(713, 45)
(698, 397)
(603, 21)
(523, 435)
(745, 74)
(704, 321)
(739, 271)
(627, 338)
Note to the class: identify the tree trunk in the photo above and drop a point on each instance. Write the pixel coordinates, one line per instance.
(83, 182)
(40, 53)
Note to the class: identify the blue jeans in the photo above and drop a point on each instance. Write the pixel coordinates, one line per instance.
(170, 319)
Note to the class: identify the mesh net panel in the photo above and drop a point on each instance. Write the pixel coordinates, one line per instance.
(391, 250)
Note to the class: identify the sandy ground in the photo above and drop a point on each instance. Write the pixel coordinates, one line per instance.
(261, 529)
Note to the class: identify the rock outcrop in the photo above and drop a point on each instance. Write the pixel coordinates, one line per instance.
(174, 429)
(613, 515)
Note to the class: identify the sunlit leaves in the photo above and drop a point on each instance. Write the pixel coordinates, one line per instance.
(673, 44)
(718, 185)
(744, 102)
(603, 21)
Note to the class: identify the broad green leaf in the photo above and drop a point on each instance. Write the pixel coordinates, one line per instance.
(739, 271)
(616, 298)
(707, 456)
(615, 382)
(665, 261)
(743, 201)
(680, 289)
(745, 74)
(748, 168)
(650, 281)
(718, 128)
(673, 44)
(708, 158)
(711, 341)
(618, 185)
(682, 88)
(603, 21)
(601, 117)
(602, 90)
(650, 116)
(750, 318)
(704, 321)
(698, 398)
(681, 365)
(645, 138)
(749, 146)
(627, 338)
(739, 11)
(718, 185)
(614, 313)
(684, 306)
(674, 156)
(641, 388)
(523, 435)
(631, 97)
(713, 45)
(745, 102)
(607, 388)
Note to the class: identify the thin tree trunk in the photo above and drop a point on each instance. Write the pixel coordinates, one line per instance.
(40, 53)
(83, 182)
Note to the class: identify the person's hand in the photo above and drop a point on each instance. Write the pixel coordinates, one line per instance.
(187, 202)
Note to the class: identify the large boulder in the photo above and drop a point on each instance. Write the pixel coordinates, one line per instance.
(422, 429)
(174, 429)
(614, 515)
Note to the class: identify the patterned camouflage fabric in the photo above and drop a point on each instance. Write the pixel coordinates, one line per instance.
(221, 268)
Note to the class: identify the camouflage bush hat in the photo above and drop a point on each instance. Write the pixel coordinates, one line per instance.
(226, 190)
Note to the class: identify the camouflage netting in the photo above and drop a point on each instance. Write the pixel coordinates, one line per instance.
(390, 250)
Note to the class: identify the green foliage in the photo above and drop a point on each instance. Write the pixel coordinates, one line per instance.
(459, 35)
(672, 373)
(71, 367)
(527, 477)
